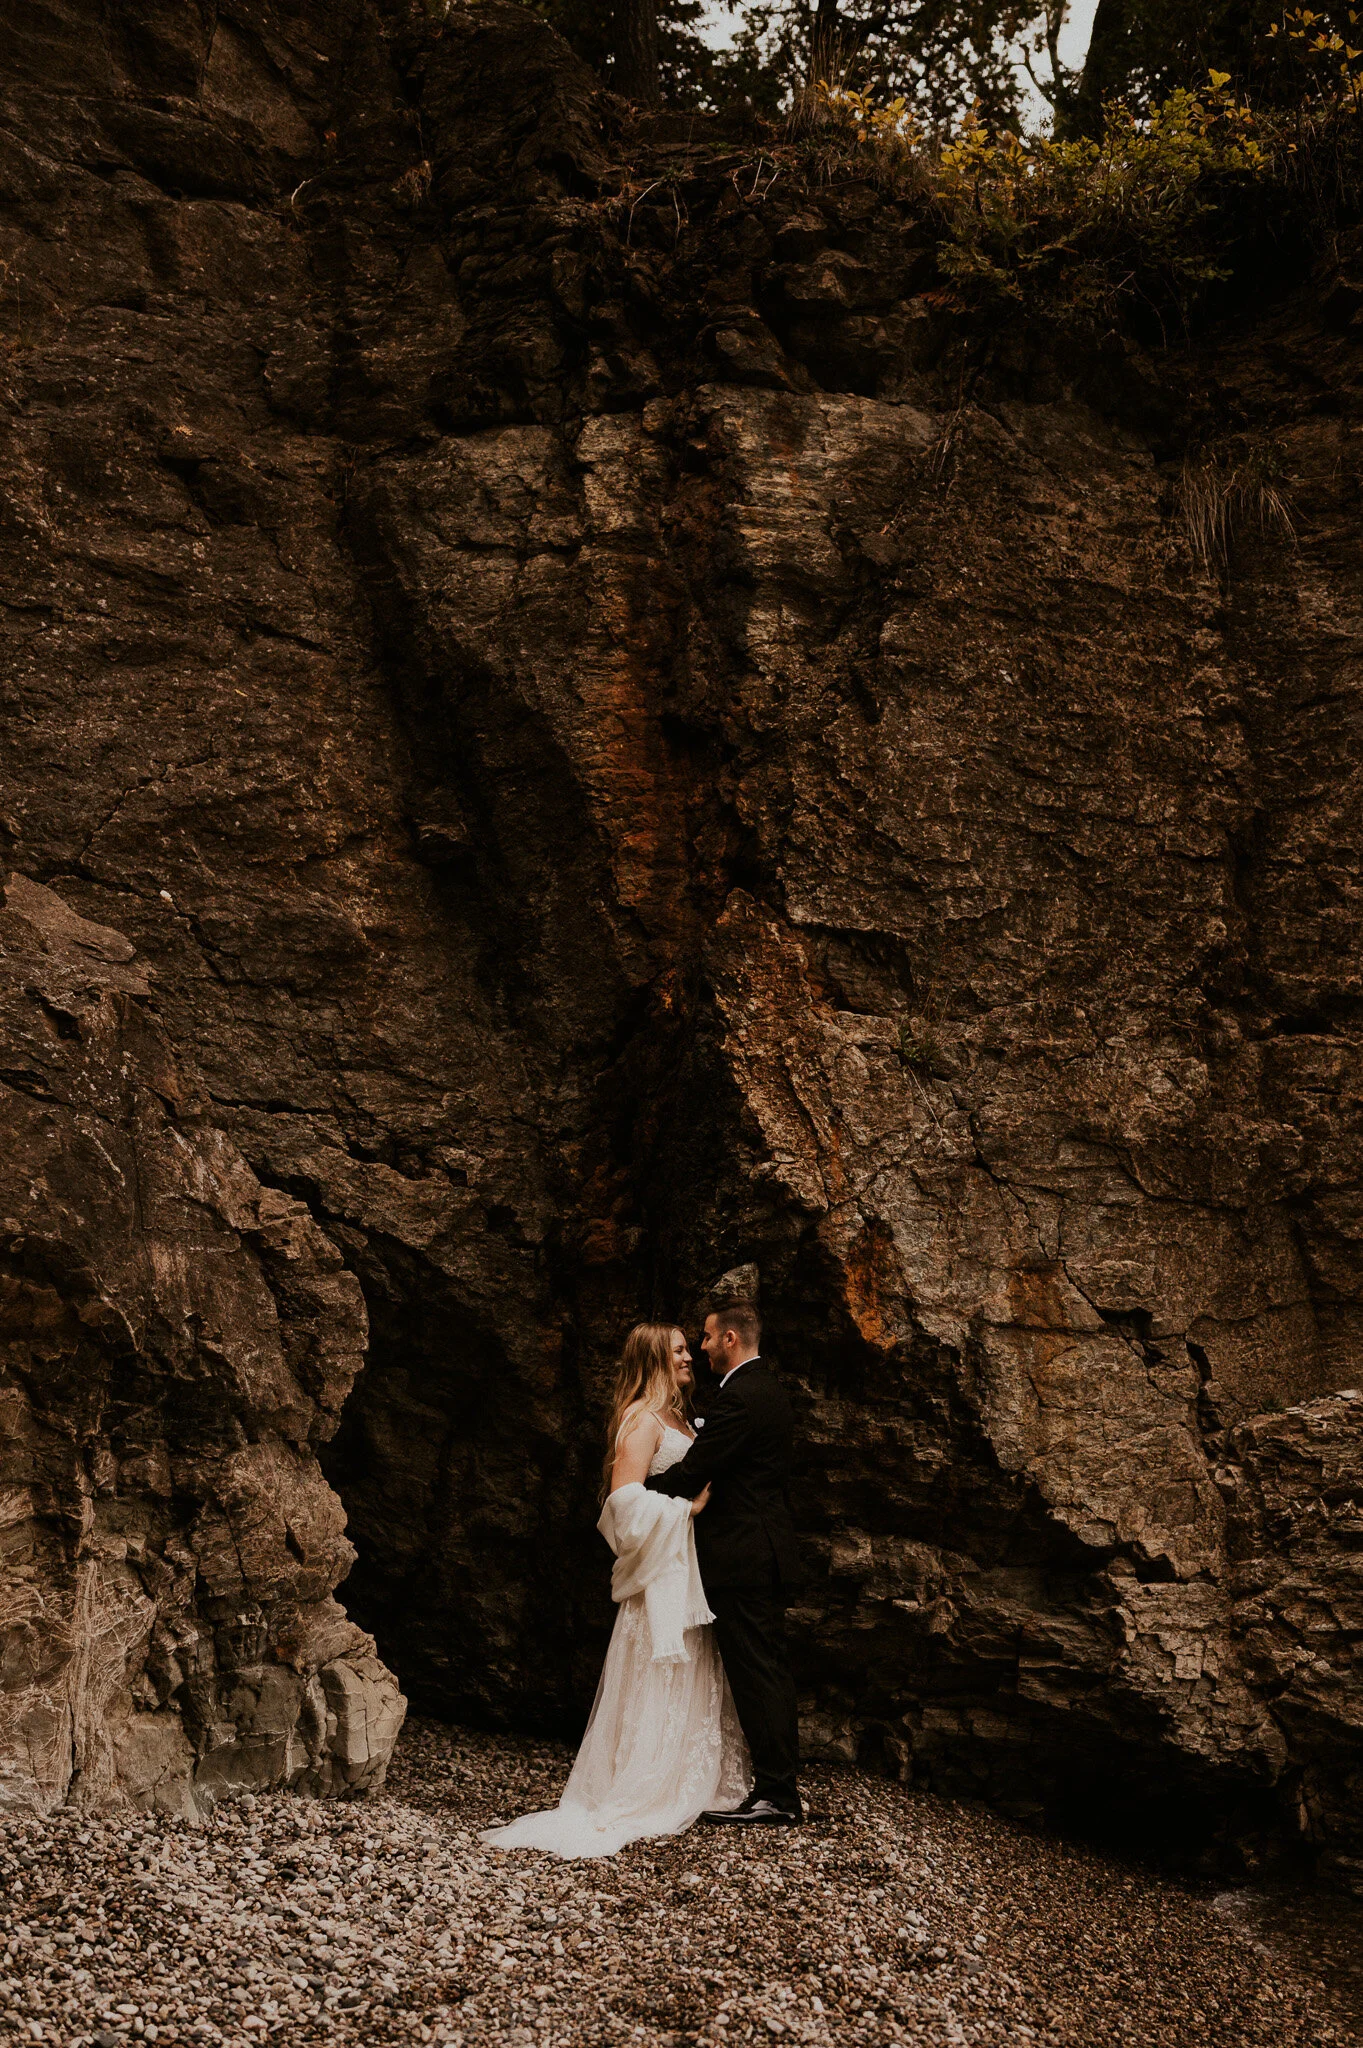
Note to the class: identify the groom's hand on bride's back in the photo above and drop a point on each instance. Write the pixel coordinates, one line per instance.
(699, 1502)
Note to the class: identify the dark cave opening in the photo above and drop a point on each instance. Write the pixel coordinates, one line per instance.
(461, 1476)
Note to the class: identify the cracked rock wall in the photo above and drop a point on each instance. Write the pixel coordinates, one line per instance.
(631, 742)
(176, 1341)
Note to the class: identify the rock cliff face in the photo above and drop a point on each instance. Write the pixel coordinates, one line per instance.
(177, 1338)
(623, 742)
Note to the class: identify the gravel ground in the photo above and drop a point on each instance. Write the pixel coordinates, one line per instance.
(891, 1917)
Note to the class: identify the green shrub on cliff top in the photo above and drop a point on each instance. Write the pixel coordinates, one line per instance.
(1151, 211)
(1085, 223)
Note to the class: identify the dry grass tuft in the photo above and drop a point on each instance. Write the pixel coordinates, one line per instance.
(1225, 490)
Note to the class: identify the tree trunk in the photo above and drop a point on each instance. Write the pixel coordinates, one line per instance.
(1106, 72)
(825, 55)
(636, 52)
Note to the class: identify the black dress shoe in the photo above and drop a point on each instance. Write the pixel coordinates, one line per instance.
(753, 1813)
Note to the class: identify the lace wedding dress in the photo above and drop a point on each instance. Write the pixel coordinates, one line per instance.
(663, 1742)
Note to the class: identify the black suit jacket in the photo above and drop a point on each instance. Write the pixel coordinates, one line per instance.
(744, 1451)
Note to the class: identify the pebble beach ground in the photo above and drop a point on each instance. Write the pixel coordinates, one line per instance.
(891, 1917)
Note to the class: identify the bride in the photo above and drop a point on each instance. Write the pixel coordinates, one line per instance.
(663, 1742)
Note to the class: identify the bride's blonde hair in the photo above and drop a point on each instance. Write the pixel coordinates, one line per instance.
(643, 1385)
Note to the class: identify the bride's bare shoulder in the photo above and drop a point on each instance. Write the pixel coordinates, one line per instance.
(636, 1420)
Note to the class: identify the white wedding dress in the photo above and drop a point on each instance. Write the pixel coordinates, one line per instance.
(663, 1742)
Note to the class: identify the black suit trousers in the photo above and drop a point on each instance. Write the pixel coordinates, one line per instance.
(750, 1632)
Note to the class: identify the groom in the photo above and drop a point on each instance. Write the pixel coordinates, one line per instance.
(745, 1546)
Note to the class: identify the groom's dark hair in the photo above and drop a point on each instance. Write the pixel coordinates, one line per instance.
(741, 1317)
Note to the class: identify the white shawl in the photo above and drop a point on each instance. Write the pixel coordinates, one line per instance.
(655, 1554)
